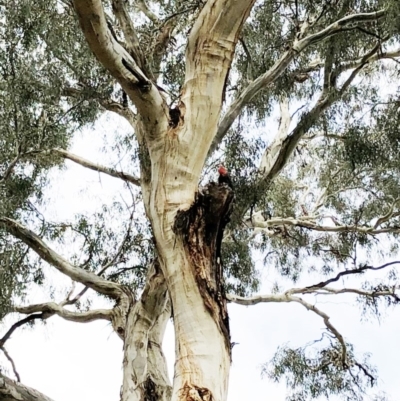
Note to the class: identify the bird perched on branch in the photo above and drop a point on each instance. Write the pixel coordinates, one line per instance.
(224, 177)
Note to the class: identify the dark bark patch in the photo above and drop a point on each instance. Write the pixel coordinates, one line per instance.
(150, 390)
(143, 84)
(201, 227)
(196, 393)
(174, 117)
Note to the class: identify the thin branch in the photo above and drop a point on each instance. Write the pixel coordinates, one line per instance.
(371, 294)
(107, 104)
(337, 27)
(388, 215)
(76, 298)
(245, 97)
(10, 168)
(305, 222)
(50, 256)
(19, 324)
(351, 64)
(250, 65)
(327, 322)
(359, 270)
(14, 368)
(281, 149)
(366, 372)
(348, 65)
(126, 269)
(177, 13)
(119, 109)
(323, 135)
(96, 167)
(257, 299)
(144, 8)
(287, 297)
(364, 61)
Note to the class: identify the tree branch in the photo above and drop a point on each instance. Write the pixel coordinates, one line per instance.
(14, 368)
(143, 93)
(307, 223)
(19, 324)
(11, 390)
(352, 64)
(10, 168)
(391, 213)
(278, 153)
(104, 268)
(107, 104)
(46, 253)
(132, 40)
(210, 51)
(280, 66)
(119, 109)
(51, 308)
(372, 294)
(327, 322)
(359, 270)
(281, 148)
(337, 27)
(96, 167)
(348, 65)
(143, 7)
(245, 97)
(287, 297)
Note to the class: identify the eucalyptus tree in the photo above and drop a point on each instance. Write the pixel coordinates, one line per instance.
(200, 83)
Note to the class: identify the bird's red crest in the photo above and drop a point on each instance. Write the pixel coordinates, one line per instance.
(222, 170)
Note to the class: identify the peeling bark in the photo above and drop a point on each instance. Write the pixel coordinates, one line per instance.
(202, 229)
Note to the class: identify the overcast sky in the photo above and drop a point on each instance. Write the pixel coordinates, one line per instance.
(81, 362)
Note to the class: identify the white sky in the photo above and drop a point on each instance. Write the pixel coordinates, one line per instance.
(81, 362)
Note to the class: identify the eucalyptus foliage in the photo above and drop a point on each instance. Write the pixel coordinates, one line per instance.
(348, 156)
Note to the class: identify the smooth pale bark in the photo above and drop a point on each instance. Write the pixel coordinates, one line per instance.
(122, 66)
(11, 390)
(202, 338)
(177, 158)
(145, 375)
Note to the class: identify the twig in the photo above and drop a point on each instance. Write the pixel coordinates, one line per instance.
(348, 272)
(7, 355)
